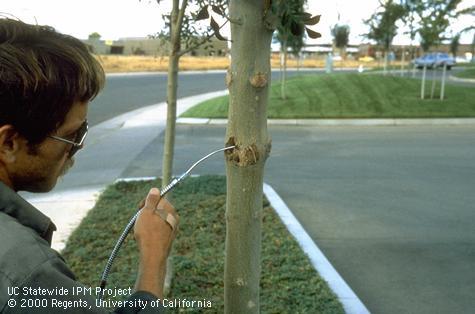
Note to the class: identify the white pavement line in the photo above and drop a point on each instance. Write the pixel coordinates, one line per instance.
(344, 122)
(351, 303)
(192, 120)
(135, 179)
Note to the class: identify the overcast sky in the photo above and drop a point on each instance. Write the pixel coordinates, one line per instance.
(114, 19)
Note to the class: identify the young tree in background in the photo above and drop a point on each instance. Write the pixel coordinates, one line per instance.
(94, 36)
(182, 29)
(341, 35)
(454, 44)
(435, 16)
(409, 18)
(290, 33)
(252, 25)
(382, 26)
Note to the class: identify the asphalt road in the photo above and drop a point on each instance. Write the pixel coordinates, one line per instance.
(391, 207)
(125, 93)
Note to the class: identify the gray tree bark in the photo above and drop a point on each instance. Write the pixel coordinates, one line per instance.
(284, 70)
(423, 84)
(172, 87)
(248, 82)
(169, 145)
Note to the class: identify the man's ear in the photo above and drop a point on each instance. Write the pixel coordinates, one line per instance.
(9, 143)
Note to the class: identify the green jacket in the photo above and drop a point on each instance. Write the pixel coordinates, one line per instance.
(34, 278)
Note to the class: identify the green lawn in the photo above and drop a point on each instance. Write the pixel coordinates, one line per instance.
(354, 96)
(289, 284)
(467, 73)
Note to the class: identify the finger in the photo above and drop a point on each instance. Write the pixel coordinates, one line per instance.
(169, 218)
(166, 205)
(153, 198)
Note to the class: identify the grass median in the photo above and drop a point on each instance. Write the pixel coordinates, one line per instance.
(343, 96)
(289, 284)
(469, 73)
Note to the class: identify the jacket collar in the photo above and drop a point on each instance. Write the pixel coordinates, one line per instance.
(26, 214)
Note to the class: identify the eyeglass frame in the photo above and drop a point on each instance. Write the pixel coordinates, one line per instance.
(76, 145)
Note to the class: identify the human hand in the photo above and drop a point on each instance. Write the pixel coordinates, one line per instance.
(157, 224)
(154, 231)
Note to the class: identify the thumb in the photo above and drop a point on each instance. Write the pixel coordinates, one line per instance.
(152, 199)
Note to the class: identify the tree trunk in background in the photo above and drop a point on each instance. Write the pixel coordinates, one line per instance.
(403, 62)
(442, 84)
(248, 81)
(423, 80)
(434, 75)
(284, 71)
(169, 146)
(473, 48)
(385, 65)
(172, 87)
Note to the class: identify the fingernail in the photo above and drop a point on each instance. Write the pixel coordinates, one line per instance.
(154, 191)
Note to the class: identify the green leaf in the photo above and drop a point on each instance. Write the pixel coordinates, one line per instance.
(216, 29)
(312, 34)
(203, 14)
(312, 21)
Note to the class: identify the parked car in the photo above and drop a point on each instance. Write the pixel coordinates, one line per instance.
(434, 59)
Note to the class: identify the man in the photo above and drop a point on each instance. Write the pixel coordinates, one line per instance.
(46, 82)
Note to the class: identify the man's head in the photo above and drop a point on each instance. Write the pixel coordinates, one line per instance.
(46, 82)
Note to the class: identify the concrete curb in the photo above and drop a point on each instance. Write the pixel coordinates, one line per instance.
(341, 122)
(459, 79)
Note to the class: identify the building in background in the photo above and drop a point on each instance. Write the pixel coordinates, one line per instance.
(149, 47)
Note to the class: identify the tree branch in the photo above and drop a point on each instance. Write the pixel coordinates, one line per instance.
(201, 42)
(181, 14)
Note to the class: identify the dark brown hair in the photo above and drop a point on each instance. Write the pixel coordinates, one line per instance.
(42, 73)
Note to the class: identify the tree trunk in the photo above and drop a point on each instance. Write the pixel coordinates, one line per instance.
(423, 84)
(434, 75)
(385, 65)
(284, 72)
(248, 83)
(169, 146)
(442, 86)
(473, 48)
(172, 87)
(403, 62)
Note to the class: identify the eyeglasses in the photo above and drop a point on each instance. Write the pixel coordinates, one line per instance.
(78, 141)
